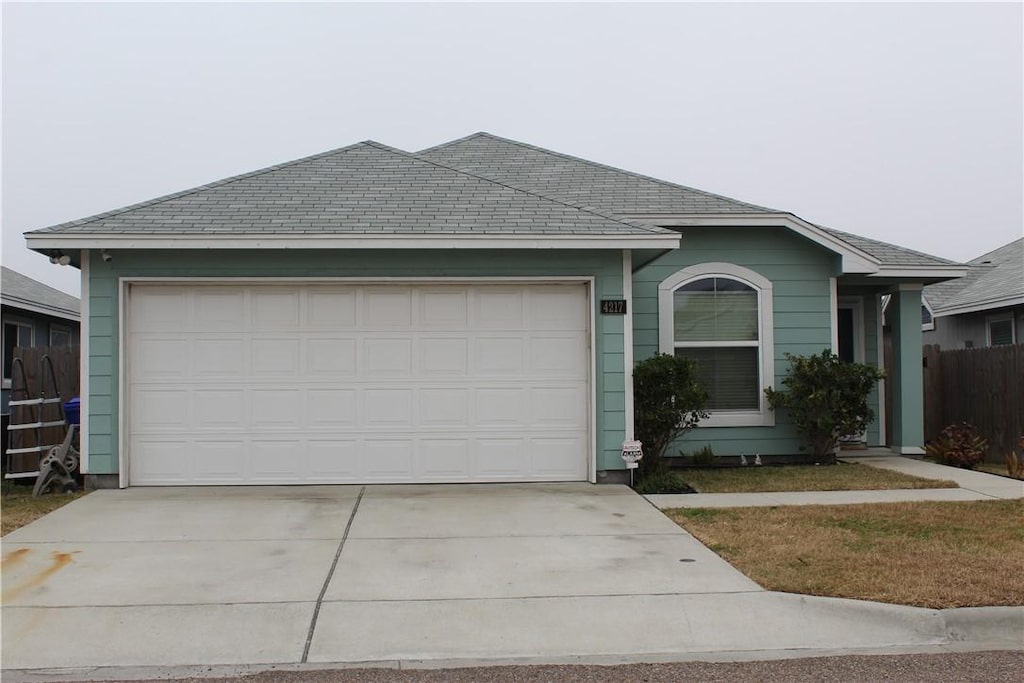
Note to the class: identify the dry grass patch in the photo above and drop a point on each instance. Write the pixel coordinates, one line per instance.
(929, 554)
(18, 507)
(840, 477)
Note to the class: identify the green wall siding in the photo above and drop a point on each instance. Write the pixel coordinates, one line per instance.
(799, 271)
(604, 266)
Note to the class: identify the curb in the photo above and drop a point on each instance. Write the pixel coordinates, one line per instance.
(996, 625)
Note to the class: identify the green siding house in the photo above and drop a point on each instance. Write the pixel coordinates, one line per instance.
(369, 315)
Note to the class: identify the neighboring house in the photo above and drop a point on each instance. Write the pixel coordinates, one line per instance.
(471, 312)
(33, 314)
(984, 308)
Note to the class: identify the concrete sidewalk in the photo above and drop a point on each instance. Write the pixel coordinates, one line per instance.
(973, 486)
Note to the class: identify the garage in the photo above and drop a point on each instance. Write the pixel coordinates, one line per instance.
(283, 382)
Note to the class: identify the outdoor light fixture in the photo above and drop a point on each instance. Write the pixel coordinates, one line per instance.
(60, 258)
(107, 258)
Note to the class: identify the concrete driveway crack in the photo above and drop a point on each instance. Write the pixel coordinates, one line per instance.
(330, 575)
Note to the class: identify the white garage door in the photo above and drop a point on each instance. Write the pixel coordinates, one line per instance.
(341, 383)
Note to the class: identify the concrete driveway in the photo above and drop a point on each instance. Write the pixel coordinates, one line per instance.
(442, 574)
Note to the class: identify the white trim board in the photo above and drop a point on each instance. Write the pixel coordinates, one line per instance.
(356, 241)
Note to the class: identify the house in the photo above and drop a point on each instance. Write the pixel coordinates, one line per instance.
(33, 315)
(468, 313)
(984, 308)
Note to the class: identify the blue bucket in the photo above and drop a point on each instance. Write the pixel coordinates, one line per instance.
(72, 411)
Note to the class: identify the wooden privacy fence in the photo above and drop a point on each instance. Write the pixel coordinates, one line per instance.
(65, 364)
(983, 387)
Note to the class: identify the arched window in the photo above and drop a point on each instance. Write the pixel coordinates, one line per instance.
(720, 316)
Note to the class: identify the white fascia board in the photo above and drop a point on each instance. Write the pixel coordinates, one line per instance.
(40, 308)
(361, 241)
(854, 260)
(917, 272)
(977, 308)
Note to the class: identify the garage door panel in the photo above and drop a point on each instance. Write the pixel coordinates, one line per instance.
(357, 383)
(275, 357)
(219, 409)
(331, 357)
(275, 308)
(219, 357)
(331, 408)
(443, 357)
(220, 460)
(498, 356)
(443, 459)
(443, 407)
(443, 308)
(388, 308)
(388, 459)
(333, 460)
(160, 357)
(386, 357)
(216, 309)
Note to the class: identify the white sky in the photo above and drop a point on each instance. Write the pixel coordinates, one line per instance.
(897, 122)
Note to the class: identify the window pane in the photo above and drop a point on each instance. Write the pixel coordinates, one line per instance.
(1001, 332)
(729, 374)
(715, 309)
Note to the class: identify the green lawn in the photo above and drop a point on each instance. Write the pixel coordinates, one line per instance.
(840, 477)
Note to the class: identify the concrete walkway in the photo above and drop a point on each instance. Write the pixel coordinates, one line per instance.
(162, 581)
(973, 486)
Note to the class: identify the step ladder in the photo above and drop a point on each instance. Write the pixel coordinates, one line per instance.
(40, 412)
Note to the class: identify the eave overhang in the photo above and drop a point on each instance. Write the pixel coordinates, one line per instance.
(49, 242)
(853, 260)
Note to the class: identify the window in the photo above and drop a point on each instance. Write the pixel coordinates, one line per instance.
(15, 334)
(1000, 330)
(60, 335)
(719, 315)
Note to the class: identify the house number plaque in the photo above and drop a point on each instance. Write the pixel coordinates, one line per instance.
(613, 306)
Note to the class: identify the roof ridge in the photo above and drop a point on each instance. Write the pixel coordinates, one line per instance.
(596, 164)
(200, 188)
(978, 259)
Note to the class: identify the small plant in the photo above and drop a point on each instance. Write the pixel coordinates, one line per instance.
(705, 457)
(664, 481)
(958, 445)
(827, 399)
(1015, 463)
(668, 402)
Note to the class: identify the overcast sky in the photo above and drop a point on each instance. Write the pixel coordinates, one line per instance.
(897, 122)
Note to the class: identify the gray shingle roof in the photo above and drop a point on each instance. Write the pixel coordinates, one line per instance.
(19, 290)
(992, 278)
(578, 181)
(365, 188)
(618, 192)
(889, 254)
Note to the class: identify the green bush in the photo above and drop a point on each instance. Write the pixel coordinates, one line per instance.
(667, 402)
(705, 457)
(663, 481)
(958, 445)
(826, 398)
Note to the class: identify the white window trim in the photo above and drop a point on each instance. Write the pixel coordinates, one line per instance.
(764, 416)
(1002, 317)
(19, 322)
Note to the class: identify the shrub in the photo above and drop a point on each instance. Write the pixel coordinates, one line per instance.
(667, 402)
(663, 481)
(705, 457)
(826, 398)
(958, 445)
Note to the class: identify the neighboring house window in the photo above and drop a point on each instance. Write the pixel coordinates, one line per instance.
(927, 319)
(720, 315)
(60, 335)
(15, 334)
(1000, 330)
